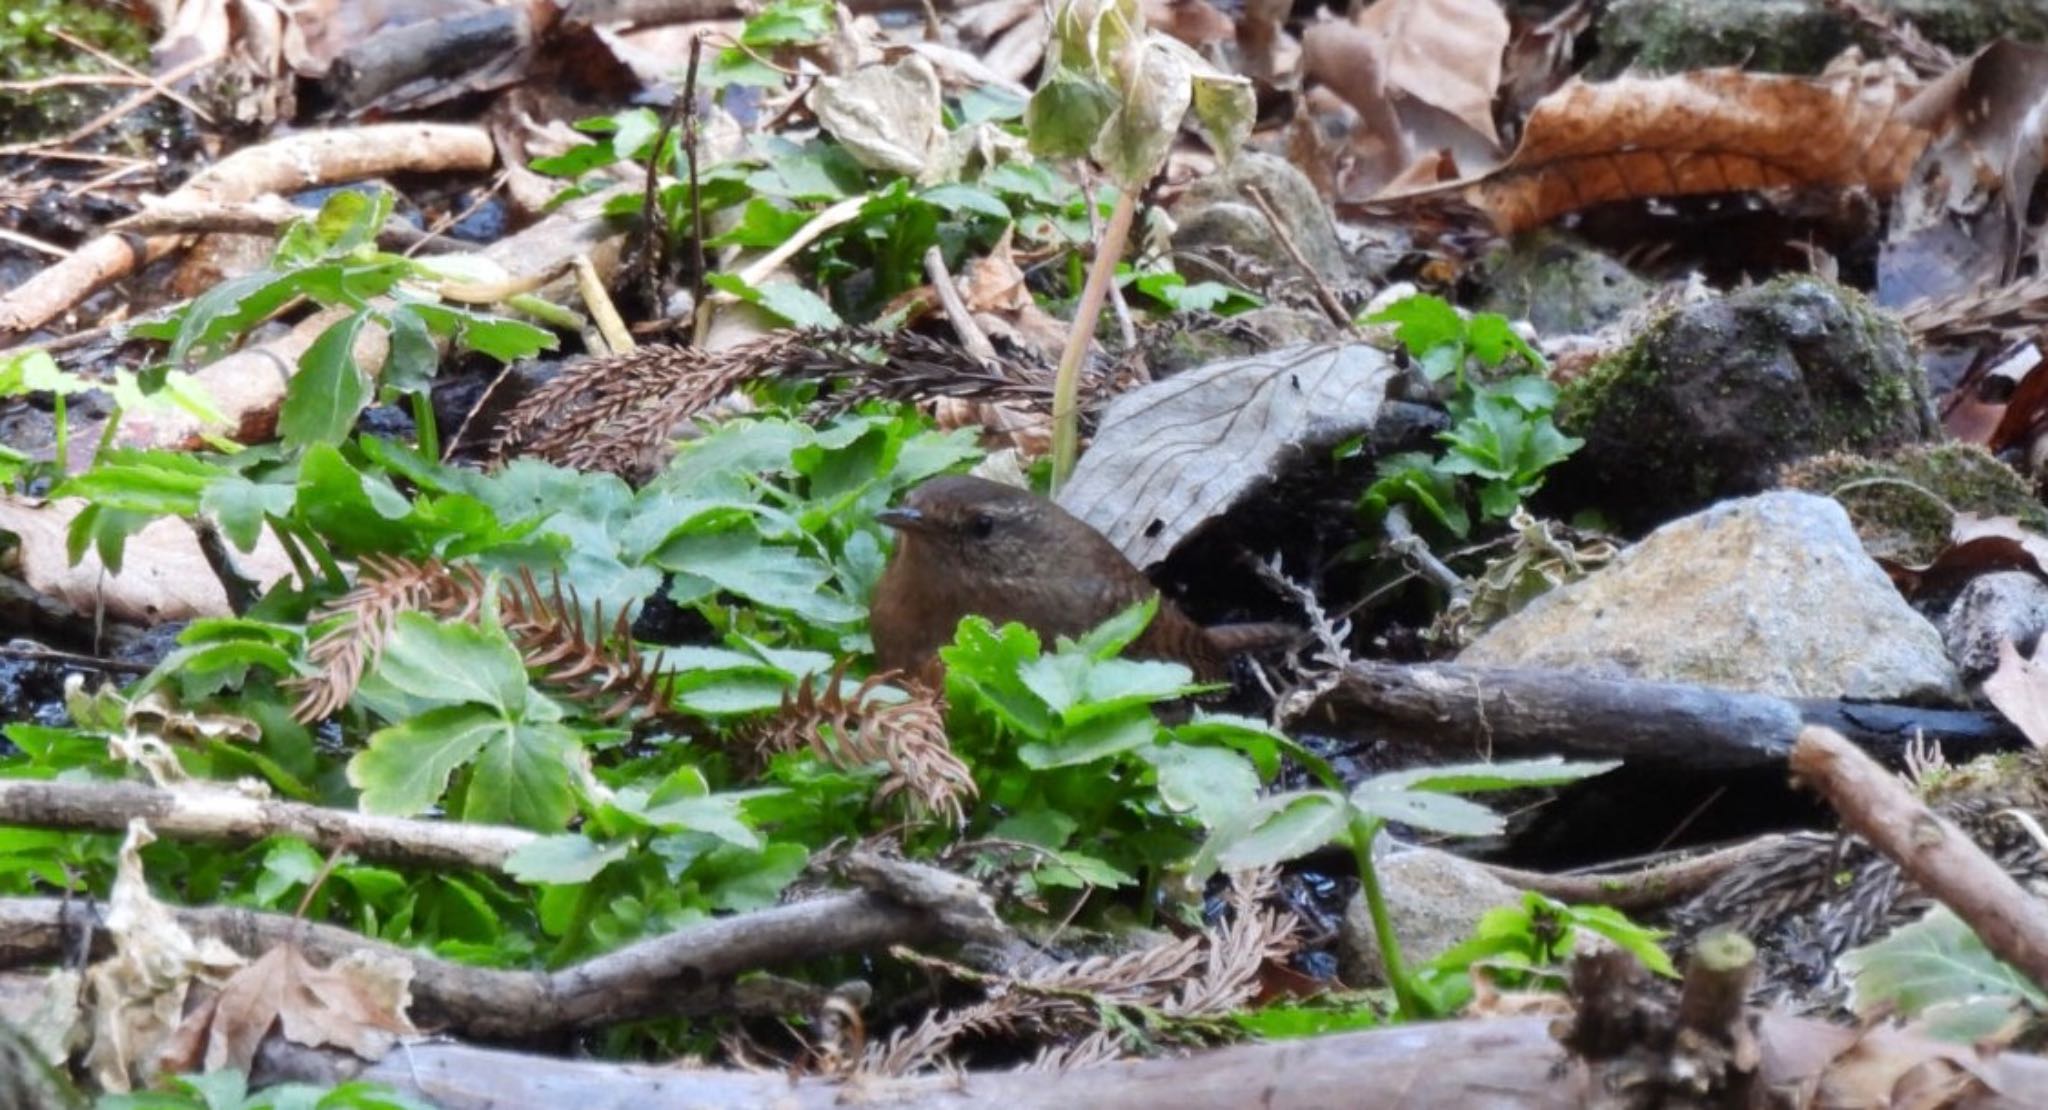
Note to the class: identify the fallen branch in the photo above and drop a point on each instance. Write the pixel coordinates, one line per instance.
(213, 813)
(1487, 710)
(290, 164)
(687, 972)
(1508, 1062)
(1929, 849)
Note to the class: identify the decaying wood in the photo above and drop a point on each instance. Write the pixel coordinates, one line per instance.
(290, 164)
(205, 812)
(1482, 711)
(1929, 848)
(1501, 1063)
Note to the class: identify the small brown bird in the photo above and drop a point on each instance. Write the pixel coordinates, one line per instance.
(969, 545)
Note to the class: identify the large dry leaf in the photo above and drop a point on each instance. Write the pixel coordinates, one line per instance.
(1960, 223)
(2019, 689)
(1711, 131)
(1444, 53)
(164, 576)
(358, 1005)
(887, 117)
(1175, 453)
(137, 995)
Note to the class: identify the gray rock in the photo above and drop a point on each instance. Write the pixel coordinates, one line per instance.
(1993, 608)
(1560, 285)
(1434, 899)
(1715, 398)
(1215, 213)
(1187, 344)
(1772, 594)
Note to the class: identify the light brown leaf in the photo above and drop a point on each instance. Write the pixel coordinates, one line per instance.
(1710, 131)
(1444, 53)
(2019, 689)
(358, 1004)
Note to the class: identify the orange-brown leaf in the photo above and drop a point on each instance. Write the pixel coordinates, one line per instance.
(1710, 131)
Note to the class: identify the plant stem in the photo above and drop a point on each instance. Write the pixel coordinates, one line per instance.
(1363, 829)
(428, 435)
(1066, 387)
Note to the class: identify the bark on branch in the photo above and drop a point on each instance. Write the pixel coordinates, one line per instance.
(206, 812)
(1487, 710)
(1929, 849)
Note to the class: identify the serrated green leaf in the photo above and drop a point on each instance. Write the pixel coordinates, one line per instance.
(452, 662)
(1444, 813)
(1279, 828)
(522, 777)
(1099, 738)
(1935, 960)
(1215, 783)
(405, 768)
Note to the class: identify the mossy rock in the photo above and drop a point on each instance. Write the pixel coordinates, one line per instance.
(1716, 397)
(1559, 284)
(1901, 504)
(1790, 36)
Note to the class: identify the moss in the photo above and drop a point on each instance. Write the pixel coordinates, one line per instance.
(1901, 503)
(30, 49)
(1675, 36)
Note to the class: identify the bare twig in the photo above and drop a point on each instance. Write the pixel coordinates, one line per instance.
(1332, 307)
(1928, 848)
(969, 333)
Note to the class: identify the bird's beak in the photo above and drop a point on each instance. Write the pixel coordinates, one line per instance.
(905, 518)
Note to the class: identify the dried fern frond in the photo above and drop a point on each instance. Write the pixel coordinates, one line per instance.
(1181, 984)
(860, 730)
(548, 629)
(385, 587)
(620, 414)
(608, 674)
(1979, 313)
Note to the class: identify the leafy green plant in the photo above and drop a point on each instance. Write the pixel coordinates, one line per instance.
(1502, 439)
(1937, 973)
(1115, 93)
(332, 260)
(229, 1090)
(1288, 825)
(1529, 942)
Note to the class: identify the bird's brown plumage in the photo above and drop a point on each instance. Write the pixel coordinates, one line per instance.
(967, 545)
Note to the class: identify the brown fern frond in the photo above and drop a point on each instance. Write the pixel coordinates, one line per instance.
(1255, 934)
(860, 730)
(620, 414)
(386, 586)
(608, 674)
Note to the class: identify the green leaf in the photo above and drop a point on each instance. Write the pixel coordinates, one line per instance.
(1444, 813)
(738, 562)
(1473, 778)
(241, 505)
(405, 769)
(1935, 960)
(410, 365)
(351, 218)
(34, 371)
(1423, 323)
(1099, 738)
(564, 858)
(789, 23)
(1066, 113)
(957, 199)
(1279, 828)
(522, 778)
(1214, 783)
(453, 662)
(1112, 636)
(1136, 137)
(324, 398)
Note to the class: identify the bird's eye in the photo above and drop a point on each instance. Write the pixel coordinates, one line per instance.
(982, 526)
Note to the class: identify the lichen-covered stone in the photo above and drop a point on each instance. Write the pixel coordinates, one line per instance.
(1772, 594)
(1903, 504)
(1559, 284)
(1434, 899)
(1215, 213)
(1716, 397)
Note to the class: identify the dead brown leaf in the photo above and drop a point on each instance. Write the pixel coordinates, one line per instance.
(1977, 545)
(1710, 131)
(2019, 689)
(1195, 22)
(358, 1005)
(1444, 53)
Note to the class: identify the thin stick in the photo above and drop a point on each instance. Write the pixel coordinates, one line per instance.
(1125, 329)
(602, 312)
(1332, 307)
(1929, 849)
(132, 72)
(72, 658)
(970, 334)
(1066, 387)
(698, 266)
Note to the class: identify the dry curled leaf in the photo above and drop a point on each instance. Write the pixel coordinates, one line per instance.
(1444, 53)
(2019, 689)
(1172, 454)
(357, 1005)
(1710, 131)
